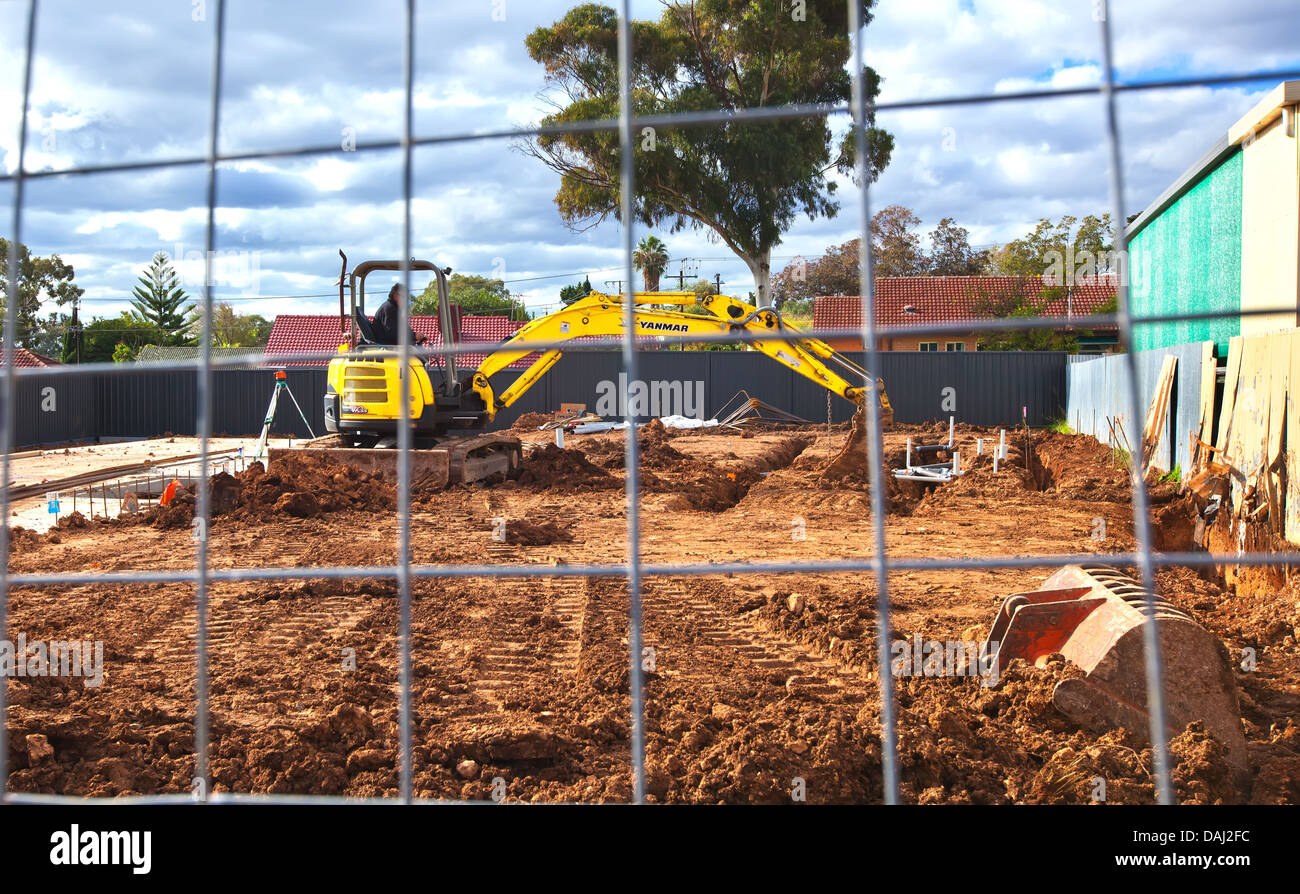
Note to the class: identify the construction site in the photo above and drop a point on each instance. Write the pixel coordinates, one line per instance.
(521, 683)
(957, 521)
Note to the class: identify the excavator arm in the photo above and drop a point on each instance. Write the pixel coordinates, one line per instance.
(603, 315)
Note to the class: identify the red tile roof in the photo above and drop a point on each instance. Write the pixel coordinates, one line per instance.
(303, 333)
(904, 300)
(26, 358)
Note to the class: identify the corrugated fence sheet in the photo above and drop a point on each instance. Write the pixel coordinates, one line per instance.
(1097, 389)
(1259, 429)
(981, 388)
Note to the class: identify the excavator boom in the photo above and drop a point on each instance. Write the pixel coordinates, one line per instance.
(599, 314)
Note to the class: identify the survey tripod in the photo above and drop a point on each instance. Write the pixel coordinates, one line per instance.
(281, 384)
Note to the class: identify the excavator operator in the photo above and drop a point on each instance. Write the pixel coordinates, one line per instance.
(388, 317)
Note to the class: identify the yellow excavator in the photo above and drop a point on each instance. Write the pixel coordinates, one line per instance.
(601, 314)
(449, 412)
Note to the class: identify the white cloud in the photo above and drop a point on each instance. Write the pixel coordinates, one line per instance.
(134, 85)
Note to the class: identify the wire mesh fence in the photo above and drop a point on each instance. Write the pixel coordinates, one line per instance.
(634, 570)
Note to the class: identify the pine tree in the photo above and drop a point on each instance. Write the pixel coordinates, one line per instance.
(570, 294)
(161, 302)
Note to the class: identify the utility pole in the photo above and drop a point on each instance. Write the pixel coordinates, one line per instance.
(75, 331)
(687, 268)
(717, 281)
(616, 283)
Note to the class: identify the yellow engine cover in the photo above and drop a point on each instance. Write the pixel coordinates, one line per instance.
(369, 388)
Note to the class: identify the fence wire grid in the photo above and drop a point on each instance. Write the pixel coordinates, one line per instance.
(634, 570)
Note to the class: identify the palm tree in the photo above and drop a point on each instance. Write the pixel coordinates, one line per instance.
(650, 257)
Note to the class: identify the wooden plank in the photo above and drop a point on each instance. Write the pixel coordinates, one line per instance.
(1292, 508)
(1279, 360)
(1205, 431)
(1162, 423)
(1231, 374)
(1155, 429)
(1248, 434)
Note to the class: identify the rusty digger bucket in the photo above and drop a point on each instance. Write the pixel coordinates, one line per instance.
(1093, 615)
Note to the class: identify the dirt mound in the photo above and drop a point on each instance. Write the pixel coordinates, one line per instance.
(298, 486)
(179, 513)
(654, 449)
(21, 538)
(964, 742)
(73, 520)
(522, 532)
(978, 478)
(654, 453)
(848, 470)
(555, 468)
(1069, 467)
(654, 434)
(697, 482)
(334, 487)
(299, 504)
(531, 421)
(848, 464)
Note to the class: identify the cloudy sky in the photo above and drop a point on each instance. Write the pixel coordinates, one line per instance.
(129, 81)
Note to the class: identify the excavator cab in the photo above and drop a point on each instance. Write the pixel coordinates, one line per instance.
(363, 392)
(363, 387)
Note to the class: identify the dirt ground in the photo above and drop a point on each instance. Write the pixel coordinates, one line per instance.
(757, 688)
(47, 466)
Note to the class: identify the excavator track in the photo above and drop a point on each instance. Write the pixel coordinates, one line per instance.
(453, 461)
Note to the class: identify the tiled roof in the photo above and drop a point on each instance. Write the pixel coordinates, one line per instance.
(26, 358)
(904, 300)
(158, 353)
(303, 333)
(480, 329)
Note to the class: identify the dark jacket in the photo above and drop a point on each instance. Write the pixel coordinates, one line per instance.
(385, 322)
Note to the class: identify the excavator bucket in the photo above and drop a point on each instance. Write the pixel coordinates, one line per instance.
(1094, 616)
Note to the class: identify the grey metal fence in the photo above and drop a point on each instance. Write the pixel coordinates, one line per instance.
(1094, 385)
(995, 387)
(880, 564)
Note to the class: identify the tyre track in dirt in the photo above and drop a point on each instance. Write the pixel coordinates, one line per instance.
(522, 635)
(246, 637)
(514, 663)
(676, 602)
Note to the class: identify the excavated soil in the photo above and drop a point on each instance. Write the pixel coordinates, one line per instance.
(712, 482)
(299, 486)
(758, 688)
(1077, 467)
(552, 468)
(528, 422)
(527, 533)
